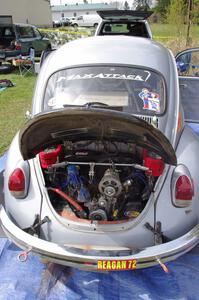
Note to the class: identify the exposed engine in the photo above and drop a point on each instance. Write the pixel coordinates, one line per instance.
(102, 181)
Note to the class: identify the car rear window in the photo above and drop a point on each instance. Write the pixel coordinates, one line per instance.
(7, 36)
(132, 90)
(7, 31)
(25, 32)
(124, 28)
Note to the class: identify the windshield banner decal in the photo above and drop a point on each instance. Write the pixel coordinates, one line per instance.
(137, 77)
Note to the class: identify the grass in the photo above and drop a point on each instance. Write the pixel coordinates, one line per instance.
(168, 30)
(14, 102)
(167, 35)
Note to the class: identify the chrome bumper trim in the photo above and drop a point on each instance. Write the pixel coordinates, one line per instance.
(63, 255)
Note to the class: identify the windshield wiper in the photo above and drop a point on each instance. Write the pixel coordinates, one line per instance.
(88, 105)
(95, 104)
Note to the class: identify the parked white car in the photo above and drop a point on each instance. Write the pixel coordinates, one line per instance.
(87, 21)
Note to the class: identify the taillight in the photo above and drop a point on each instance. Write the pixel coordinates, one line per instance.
(18, 182)
(182, 187)
(17, 46)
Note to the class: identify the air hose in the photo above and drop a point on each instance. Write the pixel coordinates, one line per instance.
(70, 200)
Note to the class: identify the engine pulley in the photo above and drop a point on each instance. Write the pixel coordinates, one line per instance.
(98, 215)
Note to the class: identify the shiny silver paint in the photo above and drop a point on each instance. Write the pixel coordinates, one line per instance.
(60, 235)
(145, 258)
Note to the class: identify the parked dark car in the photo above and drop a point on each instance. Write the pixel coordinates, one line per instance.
(16, 39)
(64, 21)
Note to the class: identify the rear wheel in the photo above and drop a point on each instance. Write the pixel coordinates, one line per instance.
(48, 48)
(75, 26)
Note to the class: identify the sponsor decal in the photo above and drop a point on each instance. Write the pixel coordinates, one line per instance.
(151, 100)
(111, 265)
(106, 76)
(134, 77)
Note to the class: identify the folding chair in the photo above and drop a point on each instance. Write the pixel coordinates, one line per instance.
(26, 64)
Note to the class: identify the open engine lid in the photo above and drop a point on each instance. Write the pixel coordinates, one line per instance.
(127, 15)
(77, 124)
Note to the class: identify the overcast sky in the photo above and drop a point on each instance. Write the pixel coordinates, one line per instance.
(62, 2)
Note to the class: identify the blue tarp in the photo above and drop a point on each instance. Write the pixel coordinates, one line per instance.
(33, 280)
(195, 127)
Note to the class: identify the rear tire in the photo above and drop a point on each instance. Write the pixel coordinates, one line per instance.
(48, 48)
(75, 26)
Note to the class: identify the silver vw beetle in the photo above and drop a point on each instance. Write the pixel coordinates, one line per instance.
(104, 175)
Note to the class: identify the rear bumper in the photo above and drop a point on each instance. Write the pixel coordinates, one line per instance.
(93, 259)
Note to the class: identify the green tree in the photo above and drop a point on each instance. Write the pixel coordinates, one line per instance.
(176, 16)
(191, 18)
(162, 7)
(195, 12)
(142, 4)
